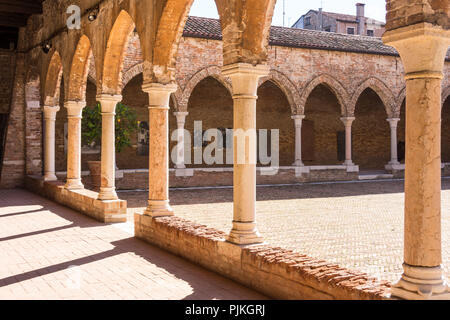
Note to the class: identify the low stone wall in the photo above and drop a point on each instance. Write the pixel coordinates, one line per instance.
(84, 200)
(210, 177)
(276, 272)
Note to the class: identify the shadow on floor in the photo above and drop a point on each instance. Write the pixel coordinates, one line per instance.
(205, 284)
(304, 191)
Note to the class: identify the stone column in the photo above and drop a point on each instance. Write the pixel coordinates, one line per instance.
(108, 166)
(393, 124)
(159, 97)
(49, 142)
(244, 79)
(298, 139)
(181, 120)
(422, 48)
(348, 140)
(74, 111)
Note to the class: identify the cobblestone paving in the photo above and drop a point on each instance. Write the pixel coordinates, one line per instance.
(357, 225)
(50, 252)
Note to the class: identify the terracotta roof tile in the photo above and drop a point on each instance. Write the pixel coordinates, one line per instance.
(208, 28)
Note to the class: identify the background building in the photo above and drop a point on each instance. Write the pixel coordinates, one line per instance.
(341, 23)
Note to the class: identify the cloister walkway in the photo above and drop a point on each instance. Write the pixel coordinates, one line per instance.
(50, 252)
(358, 225)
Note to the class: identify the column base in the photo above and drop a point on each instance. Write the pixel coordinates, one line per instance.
(348, 163)
(158, 208)
(244, 233)
(298, 163)
(421, 283)
(50, 177)
(74, 184)
(107, 194)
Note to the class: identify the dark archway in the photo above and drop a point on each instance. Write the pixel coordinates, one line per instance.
(273, 111)
(322, 129)
(371, 132)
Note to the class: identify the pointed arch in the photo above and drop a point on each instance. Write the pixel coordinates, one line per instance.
(131, 73)
(287, 87)
(183, 96)
(383, 92)
(53, 80)
(331, 83)
(445, 94)
(114, 54)
(79, 70)
(169, 33)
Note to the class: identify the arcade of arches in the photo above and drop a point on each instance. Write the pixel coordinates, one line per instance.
(341, 109)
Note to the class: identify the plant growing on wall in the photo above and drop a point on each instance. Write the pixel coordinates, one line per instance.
(125, 126)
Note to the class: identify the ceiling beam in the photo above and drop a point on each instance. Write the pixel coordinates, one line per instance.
(21, 6)
(13, 20)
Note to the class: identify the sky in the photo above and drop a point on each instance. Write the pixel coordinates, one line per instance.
(375, 9)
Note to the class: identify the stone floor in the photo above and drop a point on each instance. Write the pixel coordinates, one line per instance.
(50, 252)
(357, 225)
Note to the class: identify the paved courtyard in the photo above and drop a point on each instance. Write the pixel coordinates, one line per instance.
(357, 225)
(50, 252)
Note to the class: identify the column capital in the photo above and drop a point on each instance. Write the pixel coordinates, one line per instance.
(108, 102)
(181, 117)
(393, 121)
(74, 108)
(50, 112)
(348, 121)
(298, 117)
(159, 94)
(245, 77)
(414, 44)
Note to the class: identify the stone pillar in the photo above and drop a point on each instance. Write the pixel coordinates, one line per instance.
(394, 157)
(244, 79)
(181, 120)
(108, 166)
(49, 142)
(422, 48)
(74, 111)
(348, 140)
(298, 139)
(159, 97)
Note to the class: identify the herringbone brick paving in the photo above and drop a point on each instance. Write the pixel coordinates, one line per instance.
(50, 252)
(357, 225)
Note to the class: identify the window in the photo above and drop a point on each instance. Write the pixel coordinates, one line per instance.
(307, 21)
(327, 29)
(370, 33)
(350, 30)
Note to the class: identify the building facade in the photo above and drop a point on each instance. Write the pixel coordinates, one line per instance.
(357, 24)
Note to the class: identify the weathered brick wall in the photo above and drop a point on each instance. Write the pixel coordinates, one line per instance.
(7, 62)
(13, 170)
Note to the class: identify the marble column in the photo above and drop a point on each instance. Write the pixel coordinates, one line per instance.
(244, 79)
(159, 97)
(298, 119)
(108, 158)
(393, 125)
(74, 111)
(181, 120)
(422, 48)
(49, 142)
(348, 140)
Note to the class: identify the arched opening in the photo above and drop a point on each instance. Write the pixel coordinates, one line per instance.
(211, 103)
(401, 133)
(274, 112)
(445, 131)
(323, 133)
(371, 132)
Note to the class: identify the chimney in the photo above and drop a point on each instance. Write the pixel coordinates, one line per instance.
(320, 19)
(360, 18)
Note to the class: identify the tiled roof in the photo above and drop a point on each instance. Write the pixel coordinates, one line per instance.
(208, 28)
